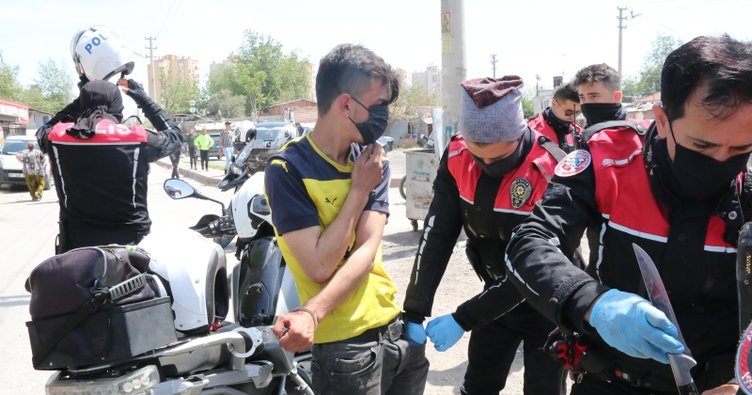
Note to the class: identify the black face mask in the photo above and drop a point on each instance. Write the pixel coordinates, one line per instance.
(699, 176)
(503, 166)
(561, 126)
(375, 125)
(602, 112)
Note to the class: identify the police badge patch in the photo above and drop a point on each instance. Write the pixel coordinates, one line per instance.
(574, 163)
(519, 192)
(742, 364)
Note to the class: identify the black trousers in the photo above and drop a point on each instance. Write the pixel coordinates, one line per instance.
(493, 347)
(192, 156)
(175, 159)
(204, 159)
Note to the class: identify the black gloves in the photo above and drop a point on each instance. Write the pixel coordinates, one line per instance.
(136, 91)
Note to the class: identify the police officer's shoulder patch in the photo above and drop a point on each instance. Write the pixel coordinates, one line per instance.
(574, 163)
(520, 191)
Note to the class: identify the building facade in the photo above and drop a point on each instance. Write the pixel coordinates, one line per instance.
(170, 66)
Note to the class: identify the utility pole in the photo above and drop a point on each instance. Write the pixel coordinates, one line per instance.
(452, 68)
(493, 64)
(152, 82)
(622, 26)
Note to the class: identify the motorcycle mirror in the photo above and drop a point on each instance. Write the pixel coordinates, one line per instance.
(178, 189)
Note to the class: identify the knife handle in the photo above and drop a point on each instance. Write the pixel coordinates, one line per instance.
(689, 389)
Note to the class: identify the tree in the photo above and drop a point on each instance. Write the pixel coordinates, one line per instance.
(9, 87)
(262, 74)
(55, 85)
(410, 99)
(648, 79)
(177, 92)
(229, 105)
(528, 107)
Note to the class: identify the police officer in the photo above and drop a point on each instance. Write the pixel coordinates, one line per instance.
(556, 122)
(101, 166)
(678, 193)
(489, 179)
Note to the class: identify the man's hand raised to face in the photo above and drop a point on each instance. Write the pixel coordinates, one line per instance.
(368, 170)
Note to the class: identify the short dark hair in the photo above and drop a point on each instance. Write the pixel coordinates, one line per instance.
(566, 92)
(228, 123)
(721, 64)
(349, 68)
(599, 73)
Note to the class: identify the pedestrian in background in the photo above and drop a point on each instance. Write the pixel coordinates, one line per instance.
(204, 142)
(190, 141)
(225, 144)
(175, 159)
(33, 169)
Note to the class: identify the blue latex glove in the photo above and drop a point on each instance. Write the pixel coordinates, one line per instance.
(444, 332)
(633, 326)
(415, 332)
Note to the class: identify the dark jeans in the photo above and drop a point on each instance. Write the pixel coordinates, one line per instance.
(204, 159)
(192, 156)
(493, 347)
(372, 367)
(175, 159)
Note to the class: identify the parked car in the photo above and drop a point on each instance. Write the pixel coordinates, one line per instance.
(11, 170)
(270, 137)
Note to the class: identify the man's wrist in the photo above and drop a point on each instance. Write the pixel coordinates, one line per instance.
(313, 315)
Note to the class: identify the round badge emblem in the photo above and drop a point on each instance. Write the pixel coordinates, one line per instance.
(743, 361)
(520, 191)
(574, 163)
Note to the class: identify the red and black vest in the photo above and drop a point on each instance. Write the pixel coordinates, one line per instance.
(101, 181)
(492, 207)
(696, 264)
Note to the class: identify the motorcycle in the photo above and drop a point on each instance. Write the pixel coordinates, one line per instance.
(212, 355)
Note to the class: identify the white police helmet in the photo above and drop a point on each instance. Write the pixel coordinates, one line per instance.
(99, 53)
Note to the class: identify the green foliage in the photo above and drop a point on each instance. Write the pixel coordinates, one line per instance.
(54, 83)
(262, 74)
(410, 98)
(177, 92)
(9, 87)
(648, 79)
(227, 103)
(528, 107)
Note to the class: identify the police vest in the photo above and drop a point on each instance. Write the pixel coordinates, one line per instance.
(696, 264)
(102, 180)
(491, 208)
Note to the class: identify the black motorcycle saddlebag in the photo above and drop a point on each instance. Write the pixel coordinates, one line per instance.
(96, 305)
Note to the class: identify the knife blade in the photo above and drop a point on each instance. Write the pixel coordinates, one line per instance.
(681, 364)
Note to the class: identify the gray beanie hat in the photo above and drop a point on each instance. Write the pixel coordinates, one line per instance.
(491, 111)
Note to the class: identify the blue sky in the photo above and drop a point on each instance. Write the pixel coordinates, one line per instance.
(529, 37)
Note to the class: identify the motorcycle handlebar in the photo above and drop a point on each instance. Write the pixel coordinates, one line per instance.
(219, 227)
